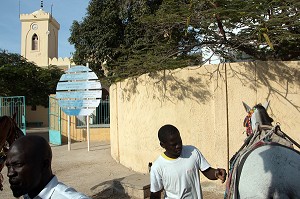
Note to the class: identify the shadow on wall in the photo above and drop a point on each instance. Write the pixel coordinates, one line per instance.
(267, 72)
(170, 87)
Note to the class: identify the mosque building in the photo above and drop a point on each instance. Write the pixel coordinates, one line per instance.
(39, 39)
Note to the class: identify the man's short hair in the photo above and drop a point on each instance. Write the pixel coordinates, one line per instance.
(36, 146)
(165, 131)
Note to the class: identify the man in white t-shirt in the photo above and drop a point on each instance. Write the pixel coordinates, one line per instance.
(176, 171)
(30, 174)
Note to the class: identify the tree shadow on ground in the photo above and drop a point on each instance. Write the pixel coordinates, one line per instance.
(111, 189)
(109, 193)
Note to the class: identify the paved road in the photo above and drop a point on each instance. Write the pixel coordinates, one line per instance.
(92, 172)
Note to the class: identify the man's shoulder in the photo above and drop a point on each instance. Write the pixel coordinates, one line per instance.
(157, 161)
(189, 151)
(189, 148)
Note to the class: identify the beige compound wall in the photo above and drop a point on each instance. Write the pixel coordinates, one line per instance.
(204, 103)
(40, 114)
(80, 134)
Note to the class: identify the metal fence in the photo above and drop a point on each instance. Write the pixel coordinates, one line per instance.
(14, 104)
(99, 118)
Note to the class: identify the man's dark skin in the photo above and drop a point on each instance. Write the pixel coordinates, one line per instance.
(29, 165)
(173, 147)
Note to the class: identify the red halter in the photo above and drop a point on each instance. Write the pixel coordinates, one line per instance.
(247, 123)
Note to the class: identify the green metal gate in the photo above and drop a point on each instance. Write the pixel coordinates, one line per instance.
(54, 121)
(14, 104)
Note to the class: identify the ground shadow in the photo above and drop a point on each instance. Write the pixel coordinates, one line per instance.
(111, 189)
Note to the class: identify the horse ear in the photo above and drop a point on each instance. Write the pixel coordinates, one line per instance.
(266, 105)
(247, 108)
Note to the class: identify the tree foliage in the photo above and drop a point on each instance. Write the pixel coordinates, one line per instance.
(133, 37)
(18, 77)
(263, 29)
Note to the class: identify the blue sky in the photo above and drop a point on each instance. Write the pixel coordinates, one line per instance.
(64, 11)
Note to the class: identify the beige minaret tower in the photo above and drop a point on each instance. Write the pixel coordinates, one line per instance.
(39, 37)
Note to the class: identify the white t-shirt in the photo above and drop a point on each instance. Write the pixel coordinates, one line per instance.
(58, 190)
(179, 177)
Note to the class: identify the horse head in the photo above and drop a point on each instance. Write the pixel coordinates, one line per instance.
(256, 116)
(9, 132)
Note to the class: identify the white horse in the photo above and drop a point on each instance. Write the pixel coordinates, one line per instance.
(266, 166)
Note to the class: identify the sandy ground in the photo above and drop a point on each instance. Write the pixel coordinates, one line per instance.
(93, 172)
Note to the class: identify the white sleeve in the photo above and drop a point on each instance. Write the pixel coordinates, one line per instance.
(203, 164)
(155, 180)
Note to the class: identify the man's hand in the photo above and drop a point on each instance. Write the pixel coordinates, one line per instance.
(221, 174)
(155, 195)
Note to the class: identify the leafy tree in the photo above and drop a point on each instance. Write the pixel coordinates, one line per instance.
(130, 39)
(18, 77)
(262, 29)
(138, 36)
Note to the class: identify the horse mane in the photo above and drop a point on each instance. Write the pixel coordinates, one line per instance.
(265, 118)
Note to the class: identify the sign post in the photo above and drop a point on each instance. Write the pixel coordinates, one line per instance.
(88, 130)
(79, 93)
(69, 123)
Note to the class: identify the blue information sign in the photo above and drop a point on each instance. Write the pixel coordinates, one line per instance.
(79, 91)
